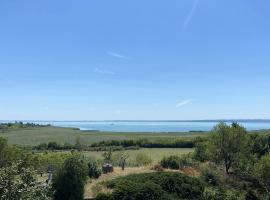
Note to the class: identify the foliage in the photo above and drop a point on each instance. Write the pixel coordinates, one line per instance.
(177, 162)
(170, 183)
(201, 152)
(210, 176)
(135, 191)
(93, 170)
(20, 183)
(68, 183)
(218, 194)
(179, 143)
(228, 144)
(18, 125)
(262, 172)
(51, 160)
(260, 144)
(54, 146)
(103, 196)
(171, 162)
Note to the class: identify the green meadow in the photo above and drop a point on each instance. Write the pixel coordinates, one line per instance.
(31, 136)
(155, 154)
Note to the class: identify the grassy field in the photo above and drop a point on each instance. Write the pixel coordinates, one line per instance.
(36, 135)
(156, 154)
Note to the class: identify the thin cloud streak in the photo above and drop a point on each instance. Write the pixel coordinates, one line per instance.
(103, 71)
(190, 14)
(182, 103)
(117, 55)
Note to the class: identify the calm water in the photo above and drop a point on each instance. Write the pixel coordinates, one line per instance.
(150, 126)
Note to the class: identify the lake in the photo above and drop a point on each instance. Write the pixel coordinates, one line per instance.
(152, 126)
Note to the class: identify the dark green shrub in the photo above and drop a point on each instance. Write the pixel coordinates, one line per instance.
(201, 152)
(171, 162)
(186, 161)
(210, 176)
(137, 191)
(68, 183)
(103, 196)
(93, 170)
(172, 184)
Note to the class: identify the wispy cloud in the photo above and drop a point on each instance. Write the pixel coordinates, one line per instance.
(103, 71)
(117, 55)
(190, 14)
(182, 103)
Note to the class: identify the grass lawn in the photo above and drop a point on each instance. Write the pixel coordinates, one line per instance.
(36, 135)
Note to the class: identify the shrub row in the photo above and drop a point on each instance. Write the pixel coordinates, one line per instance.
(177, 162)
(180, 143)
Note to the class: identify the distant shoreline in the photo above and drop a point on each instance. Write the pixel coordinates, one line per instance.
(200, 120)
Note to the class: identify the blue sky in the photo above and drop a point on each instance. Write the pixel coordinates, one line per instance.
(96, 60)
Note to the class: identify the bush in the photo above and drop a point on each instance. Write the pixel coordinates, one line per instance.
(69, 181)
(171, 184)
(137, 191)
(218, 194)
(262, 171)
(17, 182)
(201, 152)
(103, 196)
(171, 162)
(93, 170)
(210, 176)
(143, 160)
(186, 161)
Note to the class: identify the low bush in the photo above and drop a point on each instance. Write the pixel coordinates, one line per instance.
(93, 170)
(210, 176)
(163, 184)
(171, 162)
(138, 191)
(177, 162)
(219, 193)
(103, 196)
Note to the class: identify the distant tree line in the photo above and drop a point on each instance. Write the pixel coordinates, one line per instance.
(179, 143)
(19, 124)
(118, 145)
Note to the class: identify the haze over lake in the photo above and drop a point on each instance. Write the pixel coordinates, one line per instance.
(152, 126)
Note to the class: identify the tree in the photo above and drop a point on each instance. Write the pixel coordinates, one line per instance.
(17, 182)
(8, 153)
(228, 144)
(68, 184)
(262, 172)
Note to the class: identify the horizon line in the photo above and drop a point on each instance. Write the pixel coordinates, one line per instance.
(135, 120)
